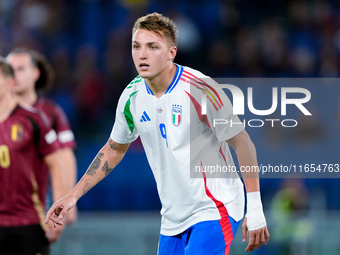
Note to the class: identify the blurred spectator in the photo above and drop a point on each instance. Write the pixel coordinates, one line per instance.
(63, 91)
(289, 211)
(248, 52)
(302, 62)
(273, 47)
(91, 91)
(118, 63)
(310, 131)
(220, 59)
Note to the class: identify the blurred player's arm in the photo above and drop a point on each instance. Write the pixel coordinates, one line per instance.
(107, 159)
(58, 172)
(71, 165)
(254, 221)
(59, 187)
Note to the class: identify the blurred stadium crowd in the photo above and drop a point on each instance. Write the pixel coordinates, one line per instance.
(88, 44)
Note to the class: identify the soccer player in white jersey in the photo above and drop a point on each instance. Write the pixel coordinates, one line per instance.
(162, 105)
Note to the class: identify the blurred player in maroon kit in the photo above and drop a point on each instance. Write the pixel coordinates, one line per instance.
(33, 73)
(27, 145)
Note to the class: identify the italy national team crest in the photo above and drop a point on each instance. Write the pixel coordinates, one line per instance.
(176, 114)
(17, 132)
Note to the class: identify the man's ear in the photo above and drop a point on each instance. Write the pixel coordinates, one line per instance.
(36, 74)
(172, 52)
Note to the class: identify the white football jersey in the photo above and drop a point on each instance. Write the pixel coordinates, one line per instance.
(183, 147)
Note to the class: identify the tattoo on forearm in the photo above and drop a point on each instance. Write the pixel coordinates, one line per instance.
(95, 164)
(87, 186)
(113, 145)
(106, 168)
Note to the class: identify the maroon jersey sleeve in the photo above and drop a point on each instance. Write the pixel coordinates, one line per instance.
(59, 121)
(46, 137)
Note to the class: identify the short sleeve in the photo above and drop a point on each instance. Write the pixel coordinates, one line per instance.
(219, 110)
(63, 129)
(124, 130)
(223, 122)
(48, 142)
(58, 120)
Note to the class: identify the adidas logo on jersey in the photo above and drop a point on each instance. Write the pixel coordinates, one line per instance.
(145, 117)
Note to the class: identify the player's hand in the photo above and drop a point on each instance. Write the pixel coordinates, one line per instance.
(71, 216)
(52, 233)
(57, 212)
(256, 237)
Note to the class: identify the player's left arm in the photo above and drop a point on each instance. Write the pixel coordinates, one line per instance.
(254, 222)
(59, 187)
(70, 163)
(62, 127)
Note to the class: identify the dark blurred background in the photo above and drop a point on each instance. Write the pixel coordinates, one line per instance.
(88, 42)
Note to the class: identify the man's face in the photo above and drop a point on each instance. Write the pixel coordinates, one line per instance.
(26, 74)
(151, 53)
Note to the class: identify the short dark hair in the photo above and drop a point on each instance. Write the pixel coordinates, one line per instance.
(46, 78)
(6, 69)
(159, 24)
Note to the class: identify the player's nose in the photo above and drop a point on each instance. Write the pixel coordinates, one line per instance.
(142, 53)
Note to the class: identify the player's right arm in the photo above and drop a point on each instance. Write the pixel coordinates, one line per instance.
(107, 159)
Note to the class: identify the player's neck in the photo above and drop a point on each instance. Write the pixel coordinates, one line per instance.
(7, 105)
(161, 82)
(26, 99)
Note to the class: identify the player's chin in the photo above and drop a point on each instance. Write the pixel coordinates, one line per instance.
(143, 74)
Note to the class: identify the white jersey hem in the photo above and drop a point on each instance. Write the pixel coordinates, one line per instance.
(206, 215)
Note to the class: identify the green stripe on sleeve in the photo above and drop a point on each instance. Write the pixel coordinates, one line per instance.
(127, 113)
(135, 80)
